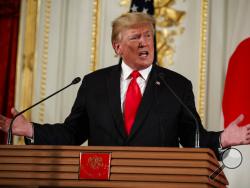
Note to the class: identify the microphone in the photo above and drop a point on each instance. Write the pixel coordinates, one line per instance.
(9, 138)
(197, 133)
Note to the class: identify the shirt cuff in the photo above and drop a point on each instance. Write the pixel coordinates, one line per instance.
(32, 139)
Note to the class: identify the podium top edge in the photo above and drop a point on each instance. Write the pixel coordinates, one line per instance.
(107, 148)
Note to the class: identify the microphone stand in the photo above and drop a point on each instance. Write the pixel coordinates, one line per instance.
(9, 138)
(197, 132)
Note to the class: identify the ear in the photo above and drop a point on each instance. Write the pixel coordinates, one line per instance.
(117, 48)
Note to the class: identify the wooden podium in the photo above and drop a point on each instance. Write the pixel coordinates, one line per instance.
(147, 167)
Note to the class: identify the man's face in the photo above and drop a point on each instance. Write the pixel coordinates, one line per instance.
(136, 46)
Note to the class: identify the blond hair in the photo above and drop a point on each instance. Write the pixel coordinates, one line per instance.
(128, 20)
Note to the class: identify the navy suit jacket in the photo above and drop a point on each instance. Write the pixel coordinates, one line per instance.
(161, 120)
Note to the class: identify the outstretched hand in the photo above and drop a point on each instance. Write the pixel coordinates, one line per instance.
(21, 127)
(234, 135)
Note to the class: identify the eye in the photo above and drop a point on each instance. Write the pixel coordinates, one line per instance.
(148, 35)
(134, 37)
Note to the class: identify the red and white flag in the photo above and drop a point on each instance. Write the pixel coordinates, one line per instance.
(236, 99)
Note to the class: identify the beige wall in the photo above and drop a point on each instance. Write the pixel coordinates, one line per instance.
(65, 41)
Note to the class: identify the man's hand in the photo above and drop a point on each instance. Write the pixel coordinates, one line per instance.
(21, 127)
(234, 135)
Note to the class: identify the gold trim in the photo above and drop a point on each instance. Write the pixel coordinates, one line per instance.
(44, 60)
(203, 61)
(95, 38)
(26, 59)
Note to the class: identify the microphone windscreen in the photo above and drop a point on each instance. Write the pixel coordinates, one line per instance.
(76, 80)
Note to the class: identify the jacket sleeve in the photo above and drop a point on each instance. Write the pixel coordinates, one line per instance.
(74, 130)
(187, 125)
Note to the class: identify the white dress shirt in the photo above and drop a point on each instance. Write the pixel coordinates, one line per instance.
(125, 80)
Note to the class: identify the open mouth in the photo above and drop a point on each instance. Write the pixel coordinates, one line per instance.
(143, 53)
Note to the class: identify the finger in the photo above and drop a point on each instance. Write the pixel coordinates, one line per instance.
(248, 127)
(247, 140)
(2, 118)
(248, 133)
(14, 111)
(237, 120)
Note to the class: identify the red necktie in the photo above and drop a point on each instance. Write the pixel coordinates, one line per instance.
(132, 101)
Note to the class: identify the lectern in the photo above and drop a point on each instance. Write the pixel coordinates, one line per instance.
(146, 167)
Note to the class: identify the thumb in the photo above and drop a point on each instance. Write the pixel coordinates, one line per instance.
(239, 119)
(14, 111)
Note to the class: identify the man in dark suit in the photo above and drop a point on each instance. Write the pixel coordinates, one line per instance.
(115, 108)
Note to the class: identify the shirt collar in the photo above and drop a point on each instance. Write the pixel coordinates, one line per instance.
(126, 71)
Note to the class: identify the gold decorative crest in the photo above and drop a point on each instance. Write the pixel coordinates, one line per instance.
(95, 162)
(168, 26)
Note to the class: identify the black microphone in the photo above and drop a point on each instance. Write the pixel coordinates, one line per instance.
(197, 133)
(9, 138)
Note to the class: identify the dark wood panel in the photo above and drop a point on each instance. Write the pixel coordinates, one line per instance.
(166, 178)
(84, 183)
(160, 155)
(40, 153)
(160, 162)
(163, 178)
(48, 176)
(38, 160)
(34, 167)
(57, 166)
(159, 170)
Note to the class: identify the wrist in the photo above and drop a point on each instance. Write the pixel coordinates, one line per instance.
(223, 142)
(30, 133)
(221, 145)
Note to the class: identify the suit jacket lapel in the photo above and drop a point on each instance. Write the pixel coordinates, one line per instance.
(146, 103)
(114, 97)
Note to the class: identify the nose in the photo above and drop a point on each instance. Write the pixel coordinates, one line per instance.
(142, 42)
